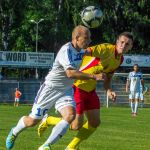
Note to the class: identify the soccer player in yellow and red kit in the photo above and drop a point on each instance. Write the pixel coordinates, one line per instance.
(17, 97)
(107, 58)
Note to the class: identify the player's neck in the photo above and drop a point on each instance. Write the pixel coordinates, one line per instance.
(117, 54)
(74, 45)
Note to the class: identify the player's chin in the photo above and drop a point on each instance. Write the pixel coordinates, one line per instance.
(125, 51)
(121, 51)
(85, 46)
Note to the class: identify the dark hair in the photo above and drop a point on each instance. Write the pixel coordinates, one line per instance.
(126, 34)
(136, 65)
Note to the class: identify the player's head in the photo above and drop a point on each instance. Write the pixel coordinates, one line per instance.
(81, 37)
(124, 42)
(17, 89)
(136, 67)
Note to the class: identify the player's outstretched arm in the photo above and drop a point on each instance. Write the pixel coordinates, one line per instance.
(107, 85)
(127, 85)
(142, 82)
(75, 74)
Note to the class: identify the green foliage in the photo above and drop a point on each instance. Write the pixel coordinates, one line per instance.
(60, 17)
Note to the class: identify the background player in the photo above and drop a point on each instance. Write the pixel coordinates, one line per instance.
(17, 97)
(141, 96)
(109, 58)
(134, 80)
(57, 89)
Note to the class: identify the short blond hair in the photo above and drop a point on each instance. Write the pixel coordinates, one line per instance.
(79, 30)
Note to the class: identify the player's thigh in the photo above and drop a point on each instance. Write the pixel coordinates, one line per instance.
(45, 100)
(16, 99)
(68, 113)
(30, 122)
(132, 96)
(141, 97)
(66, 106)
(137, 96)
(93, 117)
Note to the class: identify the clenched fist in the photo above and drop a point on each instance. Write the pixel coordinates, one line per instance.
(112, 95)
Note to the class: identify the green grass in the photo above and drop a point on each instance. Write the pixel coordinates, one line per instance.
(118, 131)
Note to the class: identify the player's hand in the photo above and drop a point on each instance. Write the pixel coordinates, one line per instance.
(112, 95)
(101, 76)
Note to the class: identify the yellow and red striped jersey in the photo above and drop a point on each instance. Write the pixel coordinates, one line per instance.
(103, 59)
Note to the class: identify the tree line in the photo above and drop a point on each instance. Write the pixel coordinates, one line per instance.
(18, 33)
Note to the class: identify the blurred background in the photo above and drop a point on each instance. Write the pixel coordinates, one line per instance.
(42, 26)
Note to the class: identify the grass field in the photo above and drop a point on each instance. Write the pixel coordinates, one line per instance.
(118, 131)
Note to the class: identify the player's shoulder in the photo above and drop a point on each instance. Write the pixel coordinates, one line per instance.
(107, 46)
(131, 73)
(68, 47)
(140, 73)
(65, 47)
(104, 46)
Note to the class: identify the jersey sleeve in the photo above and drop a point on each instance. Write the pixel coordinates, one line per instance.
(65, 59)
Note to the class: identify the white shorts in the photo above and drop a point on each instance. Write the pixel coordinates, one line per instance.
(17, 100)
(47, 97)
(134, 95)
(141, 97)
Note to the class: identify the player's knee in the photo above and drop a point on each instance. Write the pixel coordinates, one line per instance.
(76, 126)
(69, 117)
(30, 122)
(95, 123)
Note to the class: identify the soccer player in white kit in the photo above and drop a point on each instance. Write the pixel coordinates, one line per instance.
(141, 96)
(57, 89)
(134, 80)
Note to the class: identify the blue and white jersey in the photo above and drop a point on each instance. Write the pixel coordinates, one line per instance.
(135, 81)
(67, 57)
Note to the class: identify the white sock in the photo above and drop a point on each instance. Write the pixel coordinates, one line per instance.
(136, 107)
(19, 127)
(58, 131)
(132, 107)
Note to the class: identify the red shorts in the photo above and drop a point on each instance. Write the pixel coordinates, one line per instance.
(85, 100)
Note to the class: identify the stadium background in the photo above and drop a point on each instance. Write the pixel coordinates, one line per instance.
(19, 33)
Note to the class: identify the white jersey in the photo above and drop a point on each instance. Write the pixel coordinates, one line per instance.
(67, 57)
(135, 81)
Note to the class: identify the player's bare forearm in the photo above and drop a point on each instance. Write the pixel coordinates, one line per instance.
(75, 74)
(142, 82)
(127, 86)
(107, 85)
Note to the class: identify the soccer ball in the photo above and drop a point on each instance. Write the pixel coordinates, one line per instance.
(92, 16)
